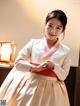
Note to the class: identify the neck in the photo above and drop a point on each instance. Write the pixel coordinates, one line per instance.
(51, 42)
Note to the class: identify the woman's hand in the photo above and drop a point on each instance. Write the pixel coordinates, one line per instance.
(40, 67)
(50, 65)
(43, 66)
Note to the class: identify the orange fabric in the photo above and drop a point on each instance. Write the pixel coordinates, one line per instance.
(46, 72)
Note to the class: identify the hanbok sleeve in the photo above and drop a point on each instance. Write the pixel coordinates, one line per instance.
(24, 55)
(63, 71)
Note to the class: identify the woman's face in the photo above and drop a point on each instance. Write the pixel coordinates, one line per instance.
(53, 29)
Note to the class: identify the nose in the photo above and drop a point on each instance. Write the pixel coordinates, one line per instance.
(53, 31)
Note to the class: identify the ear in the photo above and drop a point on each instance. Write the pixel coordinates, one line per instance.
(62, 31)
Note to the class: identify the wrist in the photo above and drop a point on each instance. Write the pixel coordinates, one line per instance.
(33, 68)
(53, 67)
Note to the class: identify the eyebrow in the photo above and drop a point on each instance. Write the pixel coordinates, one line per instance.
(57, 25)
(60, 26)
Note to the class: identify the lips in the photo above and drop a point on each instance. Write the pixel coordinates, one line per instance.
(51, 35)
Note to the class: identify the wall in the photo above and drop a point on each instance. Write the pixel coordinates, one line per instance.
(21, 20)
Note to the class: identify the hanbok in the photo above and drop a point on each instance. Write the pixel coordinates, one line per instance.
(23, 87)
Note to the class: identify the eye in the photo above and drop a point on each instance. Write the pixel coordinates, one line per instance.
(49, 25)
(59, 28)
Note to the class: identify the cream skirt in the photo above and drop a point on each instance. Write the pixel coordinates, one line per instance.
(28, 89)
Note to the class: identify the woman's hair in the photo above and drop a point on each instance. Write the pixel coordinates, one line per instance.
(57, 14)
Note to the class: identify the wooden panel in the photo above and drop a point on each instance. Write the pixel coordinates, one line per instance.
(77, 88)
(3, 73)
(79, 58)
(70, 84)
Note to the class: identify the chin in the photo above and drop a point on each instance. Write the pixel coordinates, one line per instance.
(51, 38)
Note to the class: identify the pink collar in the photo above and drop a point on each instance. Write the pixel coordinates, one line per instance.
(49, 51)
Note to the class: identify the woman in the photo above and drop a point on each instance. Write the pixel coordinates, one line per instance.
(40, 69)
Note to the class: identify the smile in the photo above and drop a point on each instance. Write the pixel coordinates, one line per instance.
(51, 35)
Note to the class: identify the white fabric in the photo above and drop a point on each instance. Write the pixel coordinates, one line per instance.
(35, 50)
(34, 90)
(23, 88)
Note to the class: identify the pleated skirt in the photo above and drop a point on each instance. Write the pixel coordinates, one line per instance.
(29, 89)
